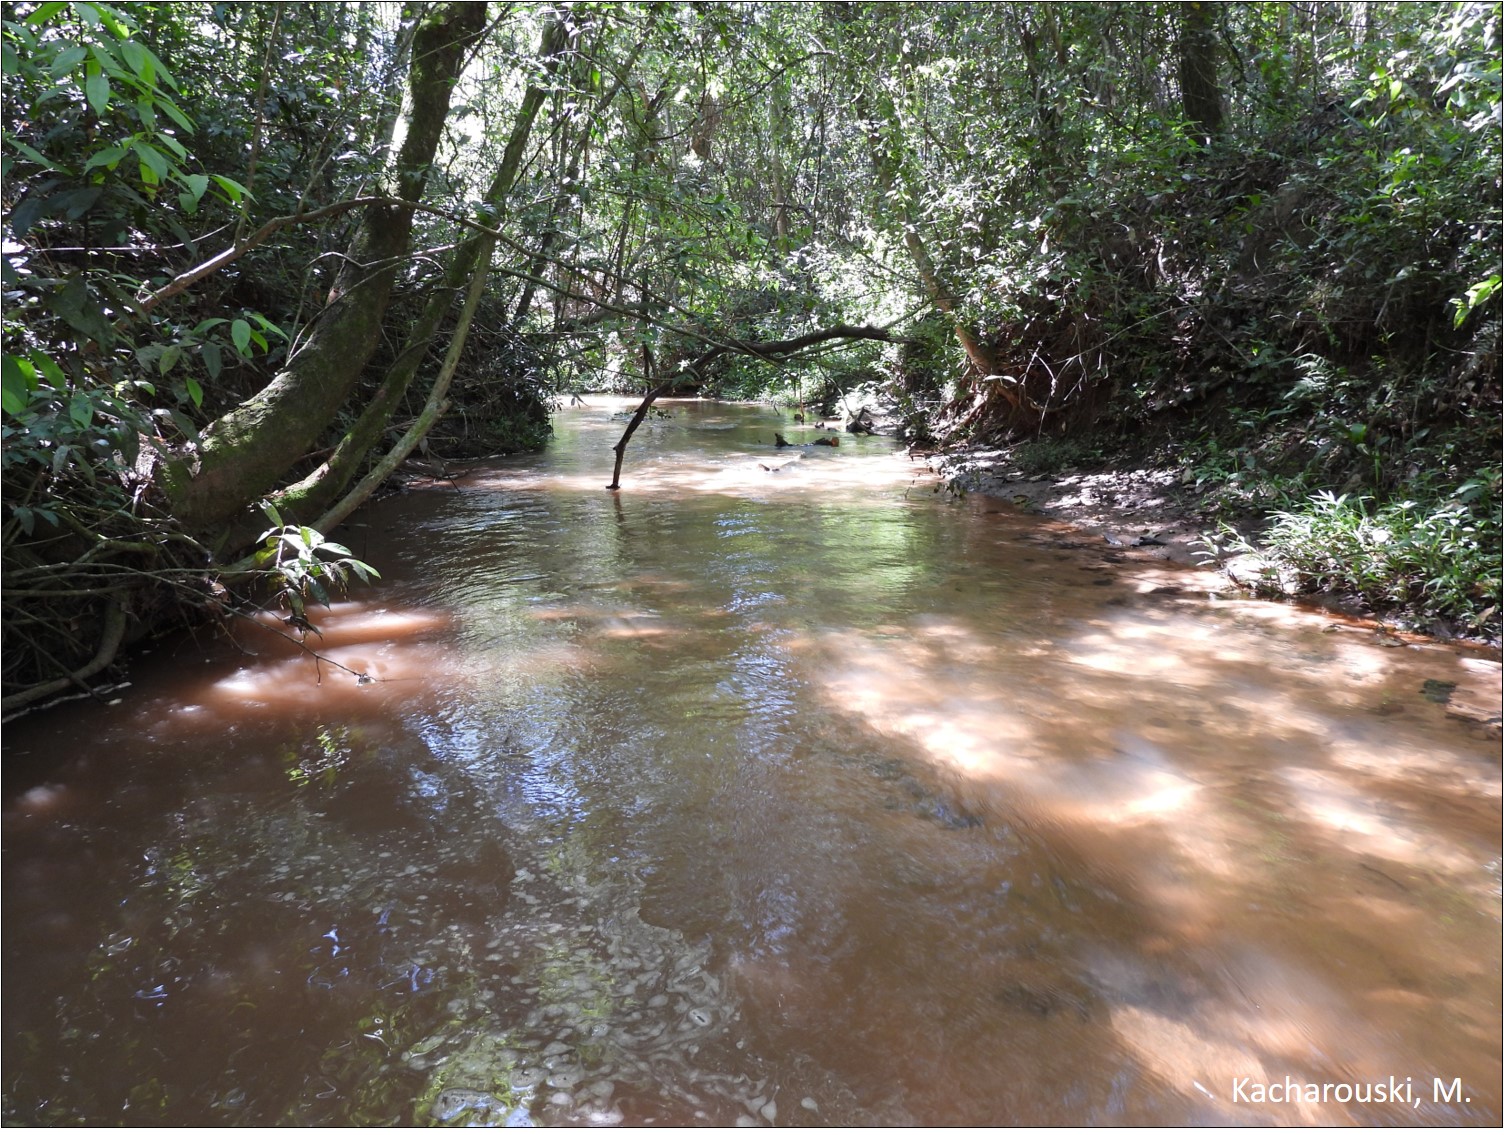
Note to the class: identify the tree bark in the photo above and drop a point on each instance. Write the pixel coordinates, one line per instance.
(243, 454)
(317, 491)
(1200, 96)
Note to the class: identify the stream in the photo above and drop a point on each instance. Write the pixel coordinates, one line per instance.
(780, 788)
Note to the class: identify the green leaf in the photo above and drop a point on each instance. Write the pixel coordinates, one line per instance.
(157, 65)
(45, 12)
(233, 189)
(78, 307)
(109, 158)
(198, 185)
(139, 60)
(27, 152)
(49, 370)
(240, 334)
(97, 91)
(169, 359)
(67, 60)
(153, 157)
(269, 325)
(195, 392)
(14, 387)
(81, 410)
(74, 203)
(175, 113)
(213, 359)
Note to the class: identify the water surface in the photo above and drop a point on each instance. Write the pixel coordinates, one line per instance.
(779, 788)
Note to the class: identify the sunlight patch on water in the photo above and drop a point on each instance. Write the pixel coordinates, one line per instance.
(1371, 825)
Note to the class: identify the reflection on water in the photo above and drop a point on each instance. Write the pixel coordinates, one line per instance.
(776, 789)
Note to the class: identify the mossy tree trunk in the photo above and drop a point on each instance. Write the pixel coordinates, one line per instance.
(245, 453)
(317, 492)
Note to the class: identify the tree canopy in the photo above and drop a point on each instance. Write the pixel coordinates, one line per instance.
(254, 253)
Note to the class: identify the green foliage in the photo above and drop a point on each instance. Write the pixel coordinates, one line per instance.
(1052, 455)
(1439, 558)
(304, 565)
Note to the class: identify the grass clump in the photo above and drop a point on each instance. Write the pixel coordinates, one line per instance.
(1437, 559)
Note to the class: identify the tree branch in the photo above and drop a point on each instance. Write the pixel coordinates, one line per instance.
(768, 351)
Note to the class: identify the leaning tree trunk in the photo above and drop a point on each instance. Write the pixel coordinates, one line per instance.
(246, 452)
(316, 492)
(886, 167)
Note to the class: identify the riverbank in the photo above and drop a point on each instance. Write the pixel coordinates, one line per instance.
(1146, 511)
(1143, 508)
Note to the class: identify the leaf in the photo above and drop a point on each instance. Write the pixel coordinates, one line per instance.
(175, 113)
(45, 12)
(67, 60)
(158, 66)
(195, 392)
(109, 158)
(269, 325)
(77, 306)
(240, 334)
(74, 203)
(27, 152)
(185, 425)
(139, 60)
(169, 359)
(197, 184)
(49, 370)
(15, 391)
(213, 359)
(233, 189)
(174, 145)
(97, 91)
(153, 157)
(81, 410)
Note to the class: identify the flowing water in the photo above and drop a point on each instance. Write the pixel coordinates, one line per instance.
(778, 788)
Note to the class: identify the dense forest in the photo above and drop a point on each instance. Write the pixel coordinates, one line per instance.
(257, 255)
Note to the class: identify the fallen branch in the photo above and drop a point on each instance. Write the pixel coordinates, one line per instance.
(768, 351)
(109, 646)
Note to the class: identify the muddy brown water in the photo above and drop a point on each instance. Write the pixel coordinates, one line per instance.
(795, 797)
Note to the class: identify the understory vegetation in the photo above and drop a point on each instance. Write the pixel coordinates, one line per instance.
(258, 255)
